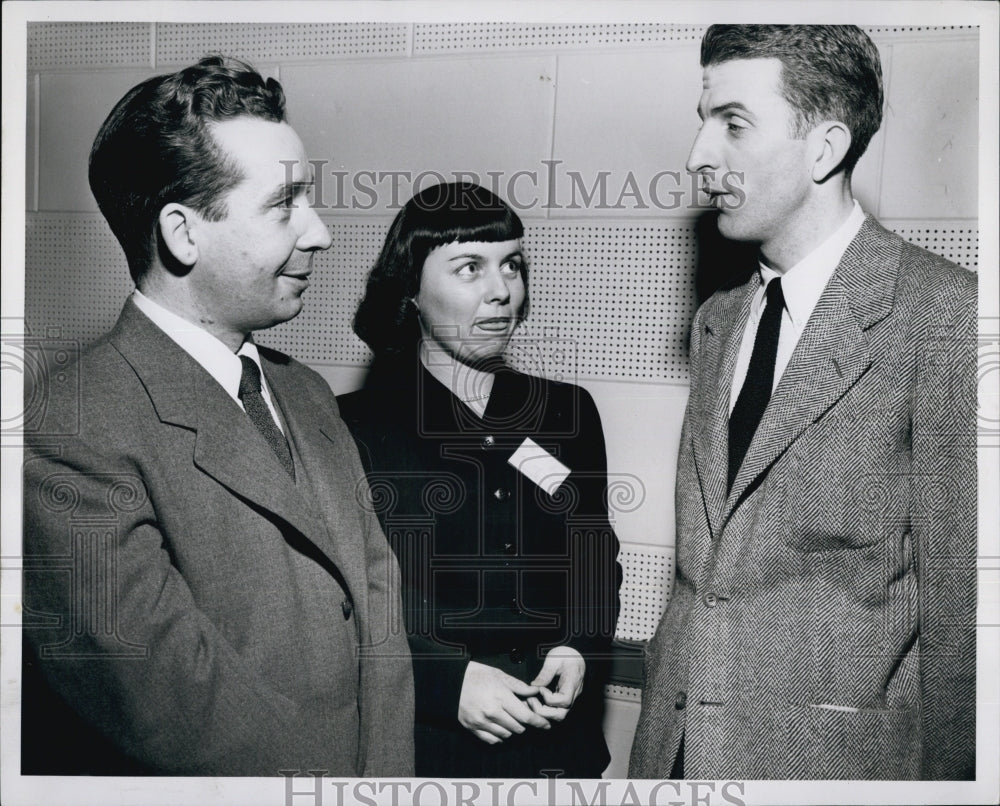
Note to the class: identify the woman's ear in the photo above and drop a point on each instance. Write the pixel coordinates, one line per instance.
(176, 225)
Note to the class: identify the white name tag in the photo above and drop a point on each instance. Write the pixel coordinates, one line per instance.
(539, 465)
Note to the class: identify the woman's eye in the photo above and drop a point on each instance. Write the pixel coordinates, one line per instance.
(467, 269)
(512, 268)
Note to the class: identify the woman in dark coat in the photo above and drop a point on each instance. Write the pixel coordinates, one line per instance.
(491, 488)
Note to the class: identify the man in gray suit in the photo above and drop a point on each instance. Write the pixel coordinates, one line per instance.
(822, 617)
(204, 595)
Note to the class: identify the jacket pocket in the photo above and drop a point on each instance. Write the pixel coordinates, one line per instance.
(834, 741)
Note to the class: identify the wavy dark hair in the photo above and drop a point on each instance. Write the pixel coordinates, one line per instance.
(828, 72)
(156, 148)
(386, 319)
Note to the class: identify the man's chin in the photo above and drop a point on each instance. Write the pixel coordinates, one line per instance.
(731, 227)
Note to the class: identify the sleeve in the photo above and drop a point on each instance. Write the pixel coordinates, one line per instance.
(596, 572)
(944, 525)
(118, 635)
(438, 672)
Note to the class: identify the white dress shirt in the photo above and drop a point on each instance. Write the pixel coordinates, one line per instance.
(218, 360)
(801, 286)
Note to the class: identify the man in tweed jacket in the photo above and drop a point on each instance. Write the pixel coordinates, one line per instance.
(204, 594)
(822, 617)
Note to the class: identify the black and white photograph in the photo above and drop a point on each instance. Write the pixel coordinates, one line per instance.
(581, 404)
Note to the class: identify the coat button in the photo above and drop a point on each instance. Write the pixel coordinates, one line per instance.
(348, 607)
(681, 700)
(488, 441)
(501, 494)
(710, 600)
(516, 656)
(509, 548)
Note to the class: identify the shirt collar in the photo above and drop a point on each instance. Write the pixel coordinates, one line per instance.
(217, 359)
(804, 282)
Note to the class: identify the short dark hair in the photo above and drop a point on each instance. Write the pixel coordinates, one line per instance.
(829, 72)
(456, 212)
(156, 148)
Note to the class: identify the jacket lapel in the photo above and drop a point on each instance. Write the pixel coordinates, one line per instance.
(321, 449)
(227, 446)
(721, 345)
(832, 353)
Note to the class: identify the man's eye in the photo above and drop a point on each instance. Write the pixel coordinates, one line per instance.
(735, 125)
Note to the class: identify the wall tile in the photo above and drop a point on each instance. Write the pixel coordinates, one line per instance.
(72, 107)
(443, 115)
(930, 166)
(625, 116)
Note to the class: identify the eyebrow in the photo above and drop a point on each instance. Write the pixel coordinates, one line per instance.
(721, 109)
(286, 191)
(472, 255)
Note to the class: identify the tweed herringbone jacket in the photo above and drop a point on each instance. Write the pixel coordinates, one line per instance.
(822, 617)
(192, 610)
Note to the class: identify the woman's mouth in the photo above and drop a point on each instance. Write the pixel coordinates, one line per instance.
(495, 324)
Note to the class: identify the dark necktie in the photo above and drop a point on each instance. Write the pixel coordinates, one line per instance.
(258, 412)
(756, 391)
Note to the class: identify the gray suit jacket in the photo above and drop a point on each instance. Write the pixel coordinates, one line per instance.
(189, 608)
(822, 617)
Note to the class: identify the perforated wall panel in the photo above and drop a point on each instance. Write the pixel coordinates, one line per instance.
(957, 241)
(623, 294)
(180, 43)
(608, 302)
(477, 36)
(55, 45)
(75, 276)
(648, 571)
(322, 332)
(469, 36)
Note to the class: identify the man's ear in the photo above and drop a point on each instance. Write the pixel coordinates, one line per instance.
(829, 143)
(176, 224)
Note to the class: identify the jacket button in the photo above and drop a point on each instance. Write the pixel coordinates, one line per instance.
(501, 494)
(488, 441)
(348, 607)
(681, 700)
(710, 600)
(509, 548)
(516, 656)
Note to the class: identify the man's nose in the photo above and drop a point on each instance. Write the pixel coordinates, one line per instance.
(703, 155)
(315, 235)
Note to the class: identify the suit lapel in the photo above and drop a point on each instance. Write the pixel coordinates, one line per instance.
(321, 450)
(721, 346)
(227, 446)
(832, 353)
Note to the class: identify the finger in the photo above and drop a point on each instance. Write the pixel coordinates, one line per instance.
(552, 714)
(489, 738)
(519, 687)
(548, 671)
(504, 720)
(524, 715)
(558, 698)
